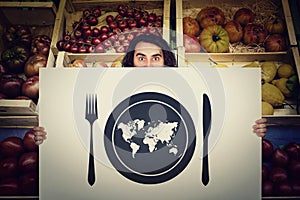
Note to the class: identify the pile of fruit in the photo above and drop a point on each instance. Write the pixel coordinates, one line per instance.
(213, 32)
(21, 59)
(280, 169)
(19, 165)
(278, 84)
(100, 32)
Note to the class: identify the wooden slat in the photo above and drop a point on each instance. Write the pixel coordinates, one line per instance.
(18, 121)
(112, 5)
(289, 22)
(236, 57)
(59, 26)
(286, 120)
(17, 107)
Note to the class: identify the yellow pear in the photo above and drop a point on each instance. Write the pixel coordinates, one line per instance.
(254, 64)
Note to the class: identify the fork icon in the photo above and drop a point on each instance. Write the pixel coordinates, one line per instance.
(91, 115)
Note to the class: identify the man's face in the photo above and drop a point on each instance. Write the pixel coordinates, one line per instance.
(148, 55)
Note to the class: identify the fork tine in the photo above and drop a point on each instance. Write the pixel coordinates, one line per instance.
(90, 104)
(96, 109)
(86, 105)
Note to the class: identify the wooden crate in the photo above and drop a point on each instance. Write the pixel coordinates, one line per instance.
(65, 58)
(272, 8)
(71, 10)
(276, 7)
(19, 132)
(237, 59)
(280, 136)
(40, 18)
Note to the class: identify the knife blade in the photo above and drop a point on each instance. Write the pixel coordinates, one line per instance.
(206, 131)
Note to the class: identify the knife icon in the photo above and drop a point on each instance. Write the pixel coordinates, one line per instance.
(206, 132)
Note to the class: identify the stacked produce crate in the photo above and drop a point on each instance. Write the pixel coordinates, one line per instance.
(26, 30)
(243, 34)
(99, 32)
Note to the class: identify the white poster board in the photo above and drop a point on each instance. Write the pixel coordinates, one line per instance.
(234, 150)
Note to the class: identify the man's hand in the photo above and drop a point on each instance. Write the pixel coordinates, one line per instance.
(260, 127)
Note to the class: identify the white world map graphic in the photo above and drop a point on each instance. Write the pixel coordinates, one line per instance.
(153, 132)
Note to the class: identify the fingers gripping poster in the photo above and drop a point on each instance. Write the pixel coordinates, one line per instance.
(159, 133)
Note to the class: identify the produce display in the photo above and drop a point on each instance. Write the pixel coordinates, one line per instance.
(100, 31)
(19, 165)
(248, 29)
(280, 169)
(21, 59)
(279, 83)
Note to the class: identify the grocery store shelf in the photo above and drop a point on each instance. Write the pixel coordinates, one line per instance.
(286, 120)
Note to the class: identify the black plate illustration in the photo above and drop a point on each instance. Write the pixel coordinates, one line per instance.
(150, 138)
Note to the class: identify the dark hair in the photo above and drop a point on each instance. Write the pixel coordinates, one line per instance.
(169, 57)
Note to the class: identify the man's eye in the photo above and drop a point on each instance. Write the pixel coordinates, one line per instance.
(141, 58)
(156, 59)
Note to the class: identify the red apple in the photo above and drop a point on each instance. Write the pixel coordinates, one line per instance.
(82, 49)
(11, 85)
(96, 11)
(8, 167)
(91, 49)
(29, 142)
(109, 19)
(254, 34)
(107, 43)
(280, 157)
(120, 49)
(210, 15)
(10, 187)
(244, 16)
(275, 42)
(74, 48)
(190, 26)
(112, 25)
(234, 30)
(100, 48)
(86, 33)
(103, 36)
(96, 32)
(96, 41)
(28, 161)
(11, 146)
(29, 183)
(267, 149)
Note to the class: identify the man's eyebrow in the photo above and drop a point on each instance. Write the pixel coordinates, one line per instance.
(140, 54)
(156, 55)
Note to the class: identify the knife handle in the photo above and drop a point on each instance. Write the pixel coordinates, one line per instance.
(205, 170)
(91, 170)
(206, 132)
